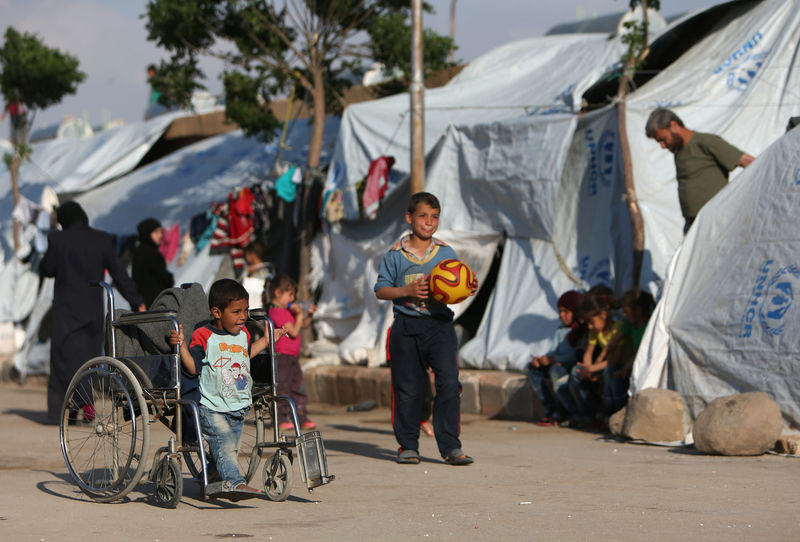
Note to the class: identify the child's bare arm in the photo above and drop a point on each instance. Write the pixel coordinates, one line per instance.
(307, 316)
(261, 344)
(417, 288)
(186, 357)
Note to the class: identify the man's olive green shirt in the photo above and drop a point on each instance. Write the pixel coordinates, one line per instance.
(702, 167)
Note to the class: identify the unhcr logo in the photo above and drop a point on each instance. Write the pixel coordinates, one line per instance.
(740, 52)
(770, 300)
(743, 74)
(778, 299)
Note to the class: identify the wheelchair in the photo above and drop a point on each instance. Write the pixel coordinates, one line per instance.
(113, 400)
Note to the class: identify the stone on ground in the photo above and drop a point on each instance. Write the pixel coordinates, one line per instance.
(742, 424)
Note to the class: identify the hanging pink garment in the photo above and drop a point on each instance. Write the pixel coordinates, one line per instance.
(171, 242)
(377, 183)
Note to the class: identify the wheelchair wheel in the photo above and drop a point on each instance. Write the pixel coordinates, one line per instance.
(168, 482)
(104, 438)
(252, 435)
(278, 476)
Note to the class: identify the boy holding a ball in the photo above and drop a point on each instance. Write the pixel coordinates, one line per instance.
(422, 334)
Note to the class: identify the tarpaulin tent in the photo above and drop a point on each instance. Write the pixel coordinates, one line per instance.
(175, 188)
(727, 322)
(508, 157)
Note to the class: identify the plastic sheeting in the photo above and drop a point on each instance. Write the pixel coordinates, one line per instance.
(590, 245)
(529, 78)
(174, 189)
(535, 174)
(739, 82)
(728, 322)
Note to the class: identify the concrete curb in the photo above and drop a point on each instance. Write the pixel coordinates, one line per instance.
(495, 394)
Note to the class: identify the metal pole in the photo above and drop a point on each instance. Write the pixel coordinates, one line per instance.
(417, 94)
(451, 54)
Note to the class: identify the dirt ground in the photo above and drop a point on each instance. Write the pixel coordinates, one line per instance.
(528, 483)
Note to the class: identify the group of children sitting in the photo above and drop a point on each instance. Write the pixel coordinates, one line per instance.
(583, 379)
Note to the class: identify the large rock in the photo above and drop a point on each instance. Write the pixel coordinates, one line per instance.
(654, 415)
(743, 424)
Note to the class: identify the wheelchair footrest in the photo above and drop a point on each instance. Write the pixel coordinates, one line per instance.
(313, 462)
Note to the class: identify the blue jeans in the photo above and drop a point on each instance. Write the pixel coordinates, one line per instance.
(538, 379)
(223, 432)
(615, 391)
(582, 392)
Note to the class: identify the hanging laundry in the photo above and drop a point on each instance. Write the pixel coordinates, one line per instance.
(241, 218)
(169, 245)
(377, 183)
(285, 187)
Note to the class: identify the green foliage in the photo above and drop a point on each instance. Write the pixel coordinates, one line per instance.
(391, 44)
(246, 97)
(636, 36)
(271, 46)
(34, 74)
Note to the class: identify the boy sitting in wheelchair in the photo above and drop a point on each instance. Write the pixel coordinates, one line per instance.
(220, 352)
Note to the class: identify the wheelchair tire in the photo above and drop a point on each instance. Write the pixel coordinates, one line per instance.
(168, 482)
(104, 445)
(278, 476)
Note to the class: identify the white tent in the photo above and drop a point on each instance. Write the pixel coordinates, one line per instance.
(173, 189)
(724, 324)
(740, 82)
(552, 182)
(727, 321)
(70, 165)
(507, 156)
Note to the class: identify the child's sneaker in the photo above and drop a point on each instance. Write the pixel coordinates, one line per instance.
(286, 426)
(308, 425)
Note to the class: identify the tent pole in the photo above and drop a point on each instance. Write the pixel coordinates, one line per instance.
(417, 95)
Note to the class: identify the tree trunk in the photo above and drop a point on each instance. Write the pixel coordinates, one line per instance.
(637, 224)
(14, 170)
(307, 217)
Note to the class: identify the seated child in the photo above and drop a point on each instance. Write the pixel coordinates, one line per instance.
(220, 353)
(544, 372)
(597, 312)
(637, 305)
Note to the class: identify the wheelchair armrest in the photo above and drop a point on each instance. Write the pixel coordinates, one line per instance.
(258, 314)
(147, 317)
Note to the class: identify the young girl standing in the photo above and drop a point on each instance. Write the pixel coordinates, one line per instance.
(283, 310)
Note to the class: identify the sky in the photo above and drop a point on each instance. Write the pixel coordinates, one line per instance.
(109, 39)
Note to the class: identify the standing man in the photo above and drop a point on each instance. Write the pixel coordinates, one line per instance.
(75, 256)
(702, 161)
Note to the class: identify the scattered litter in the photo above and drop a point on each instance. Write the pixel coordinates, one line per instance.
(525, 502)
(513, 428)
(363, 406)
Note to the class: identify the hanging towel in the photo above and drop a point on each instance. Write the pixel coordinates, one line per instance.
(169, 246)
(377, 183)
(286, 189)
